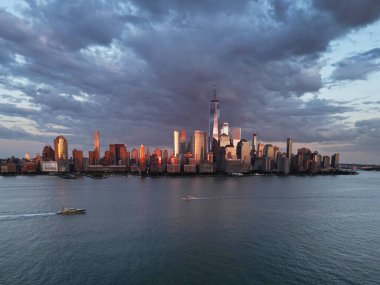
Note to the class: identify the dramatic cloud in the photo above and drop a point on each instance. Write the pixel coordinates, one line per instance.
(135, 70)
(358, 66)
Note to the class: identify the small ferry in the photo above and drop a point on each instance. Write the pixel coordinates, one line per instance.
(188, 198)
(71, 211)
(237, 174)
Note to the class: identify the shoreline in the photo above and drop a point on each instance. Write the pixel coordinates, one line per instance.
(159, 175)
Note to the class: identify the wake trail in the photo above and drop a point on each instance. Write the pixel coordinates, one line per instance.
(8, 217)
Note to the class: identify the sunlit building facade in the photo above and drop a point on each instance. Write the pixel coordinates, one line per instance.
(182, 142)
(61, 148)
(78, 160)
(176, 143)
(96, 147)
(199, 147)
(214, 108)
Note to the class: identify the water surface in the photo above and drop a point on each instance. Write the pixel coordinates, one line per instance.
(249, 230)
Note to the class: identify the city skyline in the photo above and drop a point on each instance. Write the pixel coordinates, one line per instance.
(307, 71)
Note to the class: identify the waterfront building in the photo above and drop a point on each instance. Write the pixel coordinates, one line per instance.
(61, 148)
(206, 168)
(289, 145)
(214, 109)
(107, 161)
(49, 166)
(78, 160)
(190, 168)
(199, 147)
(326, 161)
(48, 153)
(335, 160)
(176, 143)
(91, 159)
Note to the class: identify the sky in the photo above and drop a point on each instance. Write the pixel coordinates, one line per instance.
(137, 70)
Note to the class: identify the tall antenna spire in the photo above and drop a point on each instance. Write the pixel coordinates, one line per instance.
(215, 92)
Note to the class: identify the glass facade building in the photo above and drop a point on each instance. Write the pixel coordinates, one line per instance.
(214, 120)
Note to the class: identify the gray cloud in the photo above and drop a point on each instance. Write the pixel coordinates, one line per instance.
(358, 66)
(136, 70)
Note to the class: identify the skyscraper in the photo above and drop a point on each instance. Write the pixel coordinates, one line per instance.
(182, 142)
(78, 160)
(289, 144)
(199, 145)
(118, 154)
(60, 148)
(96, 147)
(176, 143)
(254, 143)
(48, 153)
(225, 129)
(214, 120)
(236, 136)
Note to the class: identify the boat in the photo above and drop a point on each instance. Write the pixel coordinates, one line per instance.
(71, 211)
(237, 174)
(188, 198)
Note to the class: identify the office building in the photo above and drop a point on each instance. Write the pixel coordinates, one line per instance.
(61, 148)
(254, 144)
(289, 145)
(96, 148)
(214, 113)
(48, 153)
(225, 129)
(176, 143)
(236, 136)
(335, 160)
(182, 142)
(199, 147)
(78, 160)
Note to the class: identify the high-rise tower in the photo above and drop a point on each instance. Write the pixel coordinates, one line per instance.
(289, 144)
(60, 148)
(96, 147)
(199, 146)
(182, 142)
(176, 143)
(214, 120)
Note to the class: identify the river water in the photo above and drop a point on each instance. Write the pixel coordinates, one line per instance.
(246, 230)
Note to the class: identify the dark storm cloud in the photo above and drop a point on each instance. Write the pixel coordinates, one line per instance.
(351, 13)
(358, 66)
(136, 70)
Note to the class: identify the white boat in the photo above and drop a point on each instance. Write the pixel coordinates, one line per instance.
(187, 198)
(71, 211)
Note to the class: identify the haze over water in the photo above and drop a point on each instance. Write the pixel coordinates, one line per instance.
(249, 230)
